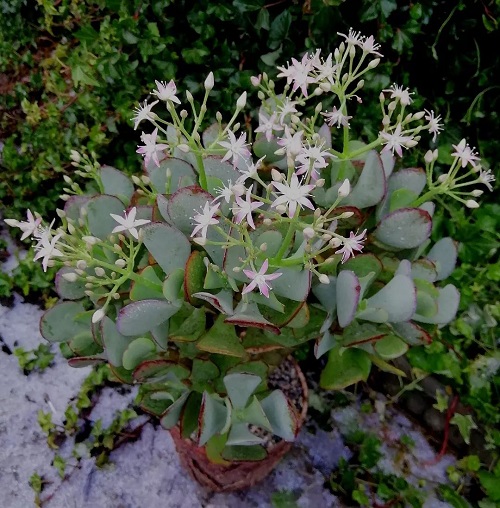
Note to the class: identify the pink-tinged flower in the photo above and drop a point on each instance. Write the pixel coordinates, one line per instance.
(287, 108)
(486, 177)
(291, 143)
(465, 153)
(326, 68)
(354, 38)
(29, 227)
(260, 279)
(255, 80)
(435, 126)
(298, 74)
(150, 148)
(128, 222)
(398, 93)
(143, 113)
(46, 248)
(354, 242)
(293, 195)
(227, 192)
(268, 125)
(395, 141)
(166, 91)
(204, 219)
(251, 171)
(370, 46)
(236, 148)
(336, 117)
(244, 208)
(312, 158)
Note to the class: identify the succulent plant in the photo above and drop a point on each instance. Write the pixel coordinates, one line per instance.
(197, 279)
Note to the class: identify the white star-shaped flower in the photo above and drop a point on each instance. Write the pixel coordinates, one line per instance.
(236, 148)
(398, 93)
(243, 209)
(287, 108)
(370, 46)
(268, 125)
(486, 178)
(354, 38)
(204, 219)
(166, 91)
(395, 141)
(29, 227)
(312, 158)
(46, 248)
(337, 117)
(293, 195)
(260, 279)
(435, 126)
(298, 73)
(143, 113)
(128, 222)
(150, 148)
(465, 153)
(291, 142)
(354, 242)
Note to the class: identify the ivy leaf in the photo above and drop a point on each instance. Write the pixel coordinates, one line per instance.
(441, 401)
(465, 424)
(80, 76)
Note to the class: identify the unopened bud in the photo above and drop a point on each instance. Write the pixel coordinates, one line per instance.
(294, 119)
(71, 229)
(267, 221)
(236, 126)
(99, 271)
(320, 182)
(242, 100)
(92, 240)
(75, 156)
(97, 315)
(346, 215)
(344, 189)
(442, 178)
(67, 179)
(308, 232)
(255, 80)
(263, 247)
(70, 277)
(145, 179)
(183, 147)
(276, 175)
(189, 96)
(392, 105)
(81, 264)
(317, 212)
(200, 241)
(237, 269)
(334, 242)
(324, 279)
(318, 107)
(477, 192)
(209, 81)
(419, 115)
(281, 209)
(317, 91)
(374, 63)
(325, 86)
(470, 203)
(136, 179)
(120, 263)
(183, 114)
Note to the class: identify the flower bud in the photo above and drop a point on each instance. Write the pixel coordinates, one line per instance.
(92, 240)
(442, 178)
(276, 175)
(183, 148)
(70, 277)
(200, 241)
(189, 96)
(237, 269)
(476, 193)
(145, 179)
(241, 102)
(255, 80)
(183, 114)
(136, 179)
(429, 157)
(346, 215)
(71, 229)
(236, 126)
(67, 179)
(470, 203)
(263, 247)
(344, 189)
(209, 82)
(325, 86)
(81, 264)
(419, 115)
(335, 242)
(120, 263)
(267, 221)
(308, 233)
(318, 91)
(238, 189)
(261, 95)
(320, 182)
(374, 63)
(75, 156)
(97, 315)
(281, 209)
(99, 271)
(318, 107)
(324, 279)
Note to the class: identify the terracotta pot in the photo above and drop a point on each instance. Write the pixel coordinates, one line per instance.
(237, 475)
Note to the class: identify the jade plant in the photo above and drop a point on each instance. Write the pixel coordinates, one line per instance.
(237, 246)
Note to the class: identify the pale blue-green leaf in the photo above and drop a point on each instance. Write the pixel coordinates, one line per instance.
(405, 228)
(280, 415)
(444, 255)
(115, 343)
(137, 351)
(239, 387)
(140, 317)
(348, 292)
(99, 208)
(116, 183)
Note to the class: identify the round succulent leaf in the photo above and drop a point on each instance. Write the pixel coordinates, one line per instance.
(155, 371)
(59, 323)
(74, 205)
(172, 414)
(363, 264)
(256, 367)
(405, 228)
(281, 314)
(240, 387)
(294, 284)
(167, 245)
(190, 329)
(85, 361)
(221, 338)
(141, 289)
(344, 368)
(69, 290)
(325, 135)
(424, 269)
(83, 344)
(301, 318)
(412, 333)
(398, 298)
(264, 148)
(214, 416)
(115, 343)
(444, 255)
(448, 301)
(223, 170)
(184, 204)
(138, 318)
(194, 276)
(179, 168)
(327, 294)
(99, 208)
(281, 415)
(371, 186)
(116, 183)
(388, 161)
(348, 290)
(390, 347)
(324, 344)
(272, 238)
(137, 351)
(426, 305)
(210, 134)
